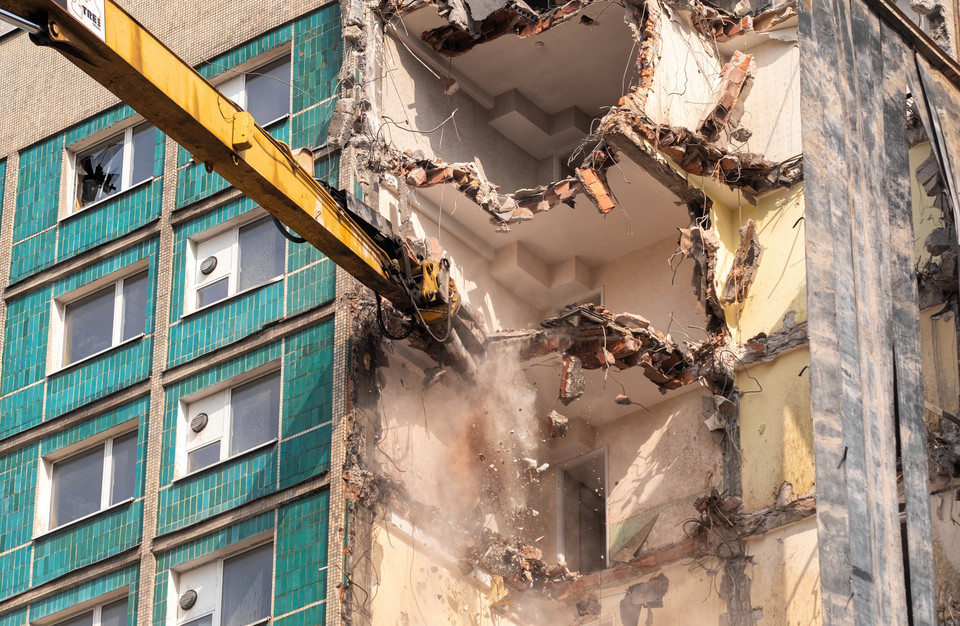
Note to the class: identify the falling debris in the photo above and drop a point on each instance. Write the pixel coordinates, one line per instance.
(744, 267)
(432, 376)
(572, 382)
(558, 424)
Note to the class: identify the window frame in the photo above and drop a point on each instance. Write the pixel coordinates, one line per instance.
(43, 518)
(562, 469)
(224, 389)
(95, 604)
(219, 558)
(192, 285)
(73, 152)
(239, 73)
(56, 345)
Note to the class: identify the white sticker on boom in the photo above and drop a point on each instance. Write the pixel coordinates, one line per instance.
(89, 13)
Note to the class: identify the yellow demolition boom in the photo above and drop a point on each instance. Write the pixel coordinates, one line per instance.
(110, 46)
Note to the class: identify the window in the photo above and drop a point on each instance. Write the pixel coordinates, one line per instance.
(235, 261)
(235, 591)
(113, 614)
(102, 319)
(582, 512)
(114, 165)
(93, 480)
(229, 422)
(264, 92)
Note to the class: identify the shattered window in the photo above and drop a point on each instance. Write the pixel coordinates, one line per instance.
(115, 165)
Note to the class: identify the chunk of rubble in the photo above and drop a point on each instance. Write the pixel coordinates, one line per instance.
(572, 382)
(589, 337)
(558, 424)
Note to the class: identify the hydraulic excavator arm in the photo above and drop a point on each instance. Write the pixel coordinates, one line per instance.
(109, 45)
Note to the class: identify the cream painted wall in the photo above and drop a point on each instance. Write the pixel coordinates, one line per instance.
(418, 586)
(691, 597)
(413, 97)
(659, 463)
(785, 576)
(643, 283)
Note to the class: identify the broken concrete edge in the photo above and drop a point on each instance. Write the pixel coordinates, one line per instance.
(590, 337)
(464, 32)
(694, 153)
(763, 347)
(694, 546)
(722, 26)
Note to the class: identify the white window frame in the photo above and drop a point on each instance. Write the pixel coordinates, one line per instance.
(72, 154)
(218, 558)
(95, 604)
(233, 82)
(44, 504)
(193, 261)
(56, 346)
(224, 390)
(561, 471)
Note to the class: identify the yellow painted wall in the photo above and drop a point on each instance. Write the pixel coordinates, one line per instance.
(785, 576)
(780, 282)
(776, 428)
(939, 344)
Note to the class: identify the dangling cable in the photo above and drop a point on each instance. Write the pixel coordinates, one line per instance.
(383, 327)
(286, 233)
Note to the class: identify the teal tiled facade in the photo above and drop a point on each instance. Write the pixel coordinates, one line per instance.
(32, 396)
(113, 586)
(49, 413)
(33, 559)
(317, 53)
(309, 282)
(302, 452)
(299, 532)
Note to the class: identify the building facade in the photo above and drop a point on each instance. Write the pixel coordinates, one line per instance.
(713, 249)
(114, 506)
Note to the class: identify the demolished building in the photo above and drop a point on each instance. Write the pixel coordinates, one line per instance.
(625, 192)
(713, 249)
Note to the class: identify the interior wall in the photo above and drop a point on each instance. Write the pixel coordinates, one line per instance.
(784, 571)
(660, 461)
(771, 111)
(643, 282)
(413, 97)
(687, 72)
